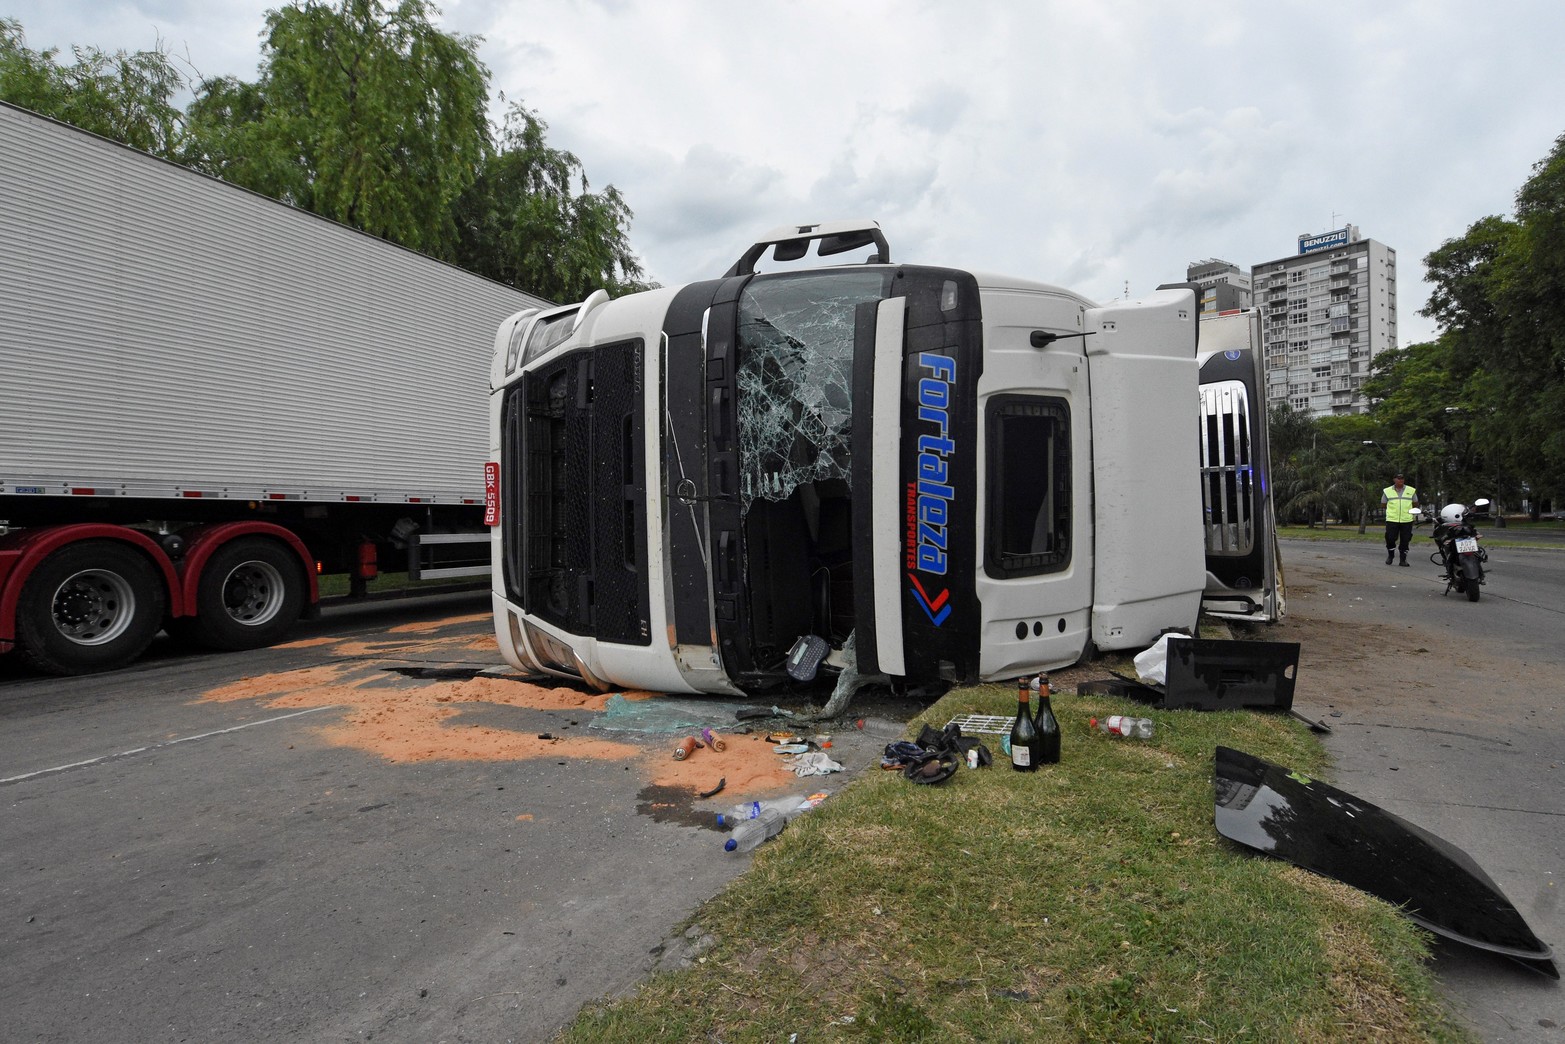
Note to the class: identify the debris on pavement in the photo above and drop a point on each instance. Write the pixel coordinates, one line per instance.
(812, 763)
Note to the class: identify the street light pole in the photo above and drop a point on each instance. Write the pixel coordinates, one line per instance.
(1364, 514)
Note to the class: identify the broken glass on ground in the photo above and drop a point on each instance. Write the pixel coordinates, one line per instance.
(659, 714)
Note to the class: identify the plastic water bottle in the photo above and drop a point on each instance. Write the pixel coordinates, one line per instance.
(738, 814)
(752, 809)
(750, 833)
(1124, 725)
(768, 821)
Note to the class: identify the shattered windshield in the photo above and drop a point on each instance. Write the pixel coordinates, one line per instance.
(795, 378)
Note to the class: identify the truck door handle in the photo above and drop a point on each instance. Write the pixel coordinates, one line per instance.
(717, 416)
(725, 557)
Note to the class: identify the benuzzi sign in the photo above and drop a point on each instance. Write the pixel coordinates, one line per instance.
(1324, 241)
(929, 496)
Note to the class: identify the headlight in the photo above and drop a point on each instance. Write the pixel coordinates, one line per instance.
(518, 335)
(545, 333)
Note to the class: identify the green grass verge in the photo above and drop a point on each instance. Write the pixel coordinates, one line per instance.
(1514, 535)
(1092, 900)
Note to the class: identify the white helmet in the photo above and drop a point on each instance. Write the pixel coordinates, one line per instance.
(1452, 514)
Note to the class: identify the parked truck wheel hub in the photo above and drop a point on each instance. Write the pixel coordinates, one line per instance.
(253, 593)
(94, 607)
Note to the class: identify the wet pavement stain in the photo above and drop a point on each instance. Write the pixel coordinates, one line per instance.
(674, 805)
(439, 673)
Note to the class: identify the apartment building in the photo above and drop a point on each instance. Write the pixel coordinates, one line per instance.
(1219, 286)
(1326, 311)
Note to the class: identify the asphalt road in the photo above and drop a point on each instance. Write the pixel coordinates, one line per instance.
(193, 850)
(184, 863)
(1449, 714)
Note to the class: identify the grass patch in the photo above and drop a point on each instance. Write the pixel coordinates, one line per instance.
(1092, 900)
(1514, 535)
(1374, 534)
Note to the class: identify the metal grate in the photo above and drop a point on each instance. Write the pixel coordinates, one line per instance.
(986, 724)
(1227, 470)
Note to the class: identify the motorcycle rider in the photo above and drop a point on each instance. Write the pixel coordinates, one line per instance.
(1398, 500)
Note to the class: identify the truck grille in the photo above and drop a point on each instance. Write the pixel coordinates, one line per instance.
(575, 493)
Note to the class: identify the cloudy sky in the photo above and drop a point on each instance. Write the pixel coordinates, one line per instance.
(1098, 144)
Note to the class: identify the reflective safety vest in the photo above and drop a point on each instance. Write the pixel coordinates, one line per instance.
(1399, 506)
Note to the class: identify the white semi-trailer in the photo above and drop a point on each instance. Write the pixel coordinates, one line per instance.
(918, 472)
(208, 398)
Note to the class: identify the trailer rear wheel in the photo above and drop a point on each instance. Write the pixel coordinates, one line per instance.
(91, 606)
(251, 592)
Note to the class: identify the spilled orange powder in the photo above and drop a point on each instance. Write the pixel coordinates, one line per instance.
(286, 683)
(421, 736)
(403, 648)
(431, 626)
(748, 766)
(306, 643)
(410, 720)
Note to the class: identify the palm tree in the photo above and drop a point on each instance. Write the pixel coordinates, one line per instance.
(1319, 489)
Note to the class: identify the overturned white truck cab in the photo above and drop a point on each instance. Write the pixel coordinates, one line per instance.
(937, 474)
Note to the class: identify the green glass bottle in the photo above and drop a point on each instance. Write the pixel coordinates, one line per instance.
(1046, 725)
(1024, 735)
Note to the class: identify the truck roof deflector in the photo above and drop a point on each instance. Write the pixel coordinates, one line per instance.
(835, 237)
(1330, 832)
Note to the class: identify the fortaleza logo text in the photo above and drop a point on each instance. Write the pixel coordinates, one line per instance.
(929, 496)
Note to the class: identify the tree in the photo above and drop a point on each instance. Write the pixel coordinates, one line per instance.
(368, 115)
(1500, 296)
(525, 221)
(1438, 412)
(1321, 467)
(1318, 488)
(1358, 442)
(373, 117)
(126, 96)
(1289, 432)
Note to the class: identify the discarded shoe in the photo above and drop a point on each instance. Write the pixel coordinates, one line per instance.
(936, 769)
(936, 755)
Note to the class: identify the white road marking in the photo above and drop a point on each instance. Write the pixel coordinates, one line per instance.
(157, 746)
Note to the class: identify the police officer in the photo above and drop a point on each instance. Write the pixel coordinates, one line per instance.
(1398, 500)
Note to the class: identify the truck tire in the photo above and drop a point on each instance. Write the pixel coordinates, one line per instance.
(251, 592)
(92, 606)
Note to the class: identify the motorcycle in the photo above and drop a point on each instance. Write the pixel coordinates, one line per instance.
(1458, 551)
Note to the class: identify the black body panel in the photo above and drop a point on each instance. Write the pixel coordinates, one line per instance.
(1331, 832)
(576, 484)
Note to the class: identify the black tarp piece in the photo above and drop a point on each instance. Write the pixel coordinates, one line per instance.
(1209, 674)
(1305, 822)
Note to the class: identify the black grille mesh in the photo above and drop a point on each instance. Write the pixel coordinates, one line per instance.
(583, 563)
